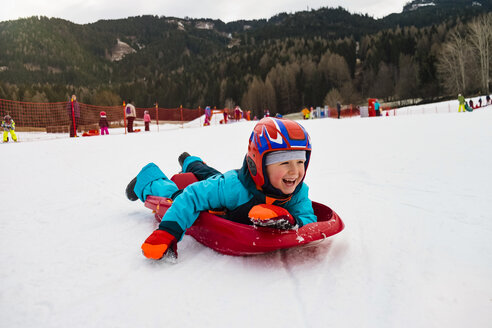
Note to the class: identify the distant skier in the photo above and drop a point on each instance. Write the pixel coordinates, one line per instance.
(8, 125)
(462, 102)
(238, 113)
(146, 118)
(377, 108)
(208, 116)
(267, 191)
(131, 113)
(103, 123)
(226, 115)
(305, 113)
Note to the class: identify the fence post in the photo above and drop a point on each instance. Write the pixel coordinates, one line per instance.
(199, 115)
(73, 120)
(124, 116)
(157, 115)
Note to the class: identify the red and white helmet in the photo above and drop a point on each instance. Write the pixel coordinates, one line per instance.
(274, 134)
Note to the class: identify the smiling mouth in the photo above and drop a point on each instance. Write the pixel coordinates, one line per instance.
(289, 182)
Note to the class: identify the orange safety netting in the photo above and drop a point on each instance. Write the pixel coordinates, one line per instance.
(57, 117)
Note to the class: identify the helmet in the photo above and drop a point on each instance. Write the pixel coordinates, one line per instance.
(7, 118)
(102, 113)
(273, 134)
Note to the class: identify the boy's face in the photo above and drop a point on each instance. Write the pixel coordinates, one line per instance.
(287, 175)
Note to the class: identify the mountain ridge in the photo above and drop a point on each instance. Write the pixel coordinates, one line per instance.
(173, 54)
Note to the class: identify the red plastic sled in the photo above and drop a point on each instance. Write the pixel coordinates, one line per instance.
(232, 238)
(90, 133)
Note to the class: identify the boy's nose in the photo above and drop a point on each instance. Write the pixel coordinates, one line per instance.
(292, 168)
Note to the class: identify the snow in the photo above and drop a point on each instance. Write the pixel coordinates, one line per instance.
(414, 191)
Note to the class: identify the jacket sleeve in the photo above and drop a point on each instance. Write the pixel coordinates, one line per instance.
(219, 192)
(301, 208)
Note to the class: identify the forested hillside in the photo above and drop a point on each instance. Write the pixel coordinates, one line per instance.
(308, 58)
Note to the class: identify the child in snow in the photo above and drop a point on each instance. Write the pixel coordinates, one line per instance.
(268, 190)
(462, 103)
(103, 123)
(8, 125)
(208, 116)
(147, 120)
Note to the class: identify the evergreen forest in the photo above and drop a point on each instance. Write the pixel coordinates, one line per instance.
(431, 50)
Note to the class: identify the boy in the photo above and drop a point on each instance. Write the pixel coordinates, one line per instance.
(268, 190)
(8, 125)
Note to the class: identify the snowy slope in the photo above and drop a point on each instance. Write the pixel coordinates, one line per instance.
(414, 192)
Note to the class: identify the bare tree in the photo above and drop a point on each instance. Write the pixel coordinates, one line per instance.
(481, 40)
(332, 97)
(349, 94)
(229, 103)
(406, 84)
(453, 63)
(260, 95)
(384, 85)
(335, 69)
(283, 80)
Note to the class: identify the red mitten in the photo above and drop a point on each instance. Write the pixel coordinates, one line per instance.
(158, 243)
(273, 216)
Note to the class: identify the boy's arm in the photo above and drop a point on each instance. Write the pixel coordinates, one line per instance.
(218, 192)
(221, 191)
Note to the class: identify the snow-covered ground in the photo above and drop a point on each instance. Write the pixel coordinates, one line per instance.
(414, 191)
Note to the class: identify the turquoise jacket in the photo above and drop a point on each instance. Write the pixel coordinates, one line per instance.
(224, 191)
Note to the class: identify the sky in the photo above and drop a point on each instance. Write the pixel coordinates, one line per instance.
(413, 191)
(89, 11)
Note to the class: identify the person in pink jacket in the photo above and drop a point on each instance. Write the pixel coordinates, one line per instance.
(103, 123)
(147, 120)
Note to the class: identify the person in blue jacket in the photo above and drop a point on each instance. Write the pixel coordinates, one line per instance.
(268, 190)
(377, 107)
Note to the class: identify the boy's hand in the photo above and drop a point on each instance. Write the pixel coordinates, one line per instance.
(158, 244)
(273, 216)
